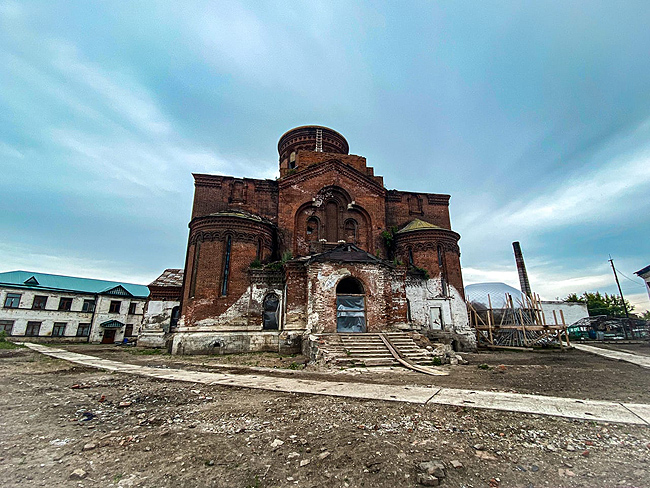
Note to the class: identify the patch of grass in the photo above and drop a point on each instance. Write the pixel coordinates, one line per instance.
(146, 352)
(5, 344)
(256, 483)
(483, 366)
(294, 365)
(436, 361)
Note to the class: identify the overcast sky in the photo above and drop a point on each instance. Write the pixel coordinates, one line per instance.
(534, 116)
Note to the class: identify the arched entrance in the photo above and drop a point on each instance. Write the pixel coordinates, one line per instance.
(350, 306)
(270, 314)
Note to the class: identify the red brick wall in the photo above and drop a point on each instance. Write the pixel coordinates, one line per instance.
(218, 193)
(404, 207)
(298, 191)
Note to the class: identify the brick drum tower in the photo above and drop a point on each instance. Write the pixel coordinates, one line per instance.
(325, 248)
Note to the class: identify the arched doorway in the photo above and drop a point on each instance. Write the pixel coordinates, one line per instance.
(270, 314)
(350, 306)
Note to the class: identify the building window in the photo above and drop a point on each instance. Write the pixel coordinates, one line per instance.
(83, 330)
(132, 307)
(39, 302)
(351, 231)
(226, 267)
(115, 306)
(33, 328)
(128, 330)
(195, 267)
(443, 274)
(59, 329)
(313, 227)
(292, 160)
(88, 306)
(408, 311)
(411, 262)
(6, 326)
(65, 304)
(12, 300)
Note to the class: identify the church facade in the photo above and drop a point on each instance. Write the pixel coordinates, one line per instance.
(325, 248)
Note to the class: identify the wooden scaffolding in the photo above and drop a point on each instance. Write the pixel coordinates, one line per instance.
(519, 325)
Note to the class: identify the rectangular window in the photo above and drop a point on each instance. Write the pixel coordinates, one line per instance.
(65, 304)
(6, 326)
(12, 300)
(132, 307)
(83, 330)
(115, 306)
(128, 331)
(33, 328)
(88, 306)
(59, 329)
(39, 302)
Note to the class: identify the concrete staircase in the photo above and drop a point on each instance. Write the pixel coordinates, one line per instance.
(365, 349)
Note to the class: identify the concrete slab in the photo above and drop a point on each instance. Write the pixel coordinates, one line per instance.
(599, 411)
(643, 361)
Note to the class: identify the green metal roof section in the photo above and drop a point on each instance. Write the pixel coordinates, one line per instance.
(112, 324)
(417, 224)
(43, 281)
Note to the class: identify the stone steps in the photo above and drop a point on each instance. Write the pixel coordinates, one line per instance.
(368, 349)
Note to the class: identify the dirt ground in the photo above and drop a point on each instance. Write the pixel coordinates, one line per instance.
(568, 373)
(129, 431)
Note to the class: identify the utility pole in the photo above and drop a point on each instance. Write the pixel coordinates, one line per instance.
(627, 314)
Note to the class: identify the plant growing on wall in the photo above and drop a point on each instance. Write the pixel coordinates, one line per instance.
(388, 236)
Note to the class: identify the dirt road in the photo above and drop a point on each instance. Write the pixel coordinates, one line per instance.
(120, 430)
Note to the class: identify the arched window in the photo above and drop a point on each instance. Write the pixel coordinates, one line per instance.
(226, 267)
(271, 307)
(408, 310)
(313, 229)
(292, 160)
(411, 262)
(331, 221)
(195, 267)
(443, 273)
(350, 230)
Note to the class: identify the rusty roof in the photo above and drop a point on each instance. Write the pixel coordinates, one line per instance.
(170, 278)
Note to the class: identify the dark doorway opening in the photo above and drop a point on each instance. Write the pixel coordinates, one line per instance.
(350, 306)
(270, 314)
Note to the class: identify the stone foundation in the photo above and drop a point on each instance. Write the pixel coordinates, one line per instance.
(282, 342)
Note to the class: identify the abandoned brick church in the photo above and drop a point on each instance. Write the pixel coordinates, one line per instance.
(325, 248)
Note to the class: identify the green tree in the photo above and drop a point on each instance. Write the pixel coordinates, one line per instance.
(601, 304)
(646, 315)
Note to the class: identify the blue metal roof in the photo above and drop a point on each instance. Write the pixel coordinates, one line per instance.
(43, 281)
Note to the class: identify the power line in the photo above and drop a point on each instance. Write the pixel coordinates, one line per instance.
(636, 282)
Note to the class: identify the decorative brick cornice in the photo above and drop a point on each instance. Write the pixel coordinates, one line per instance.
(217, 227)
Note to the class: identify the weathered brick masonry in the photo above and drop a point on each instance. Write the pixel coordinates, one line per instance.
(324, 248)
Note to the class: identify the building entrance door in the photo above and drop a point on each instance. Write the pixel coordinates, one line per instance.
(435, 318)
(350, 306)
(109, 336)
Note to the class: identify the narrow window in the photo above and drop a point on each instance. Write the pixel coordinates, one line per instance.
(33, 328)
(88, 306)
(292, 160)
(408, 310)
(59, 329)
(226, 267)
(83, 330)
(443, 274)
(39, 302)
(258, 256)
(176, 314)
(65, 304)
(351, 231)
(132, 308)
(115, 306)
(6, 326)
(312, 229)
(411, 262)
(12, 300)
(195, 267)
(128, 330)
